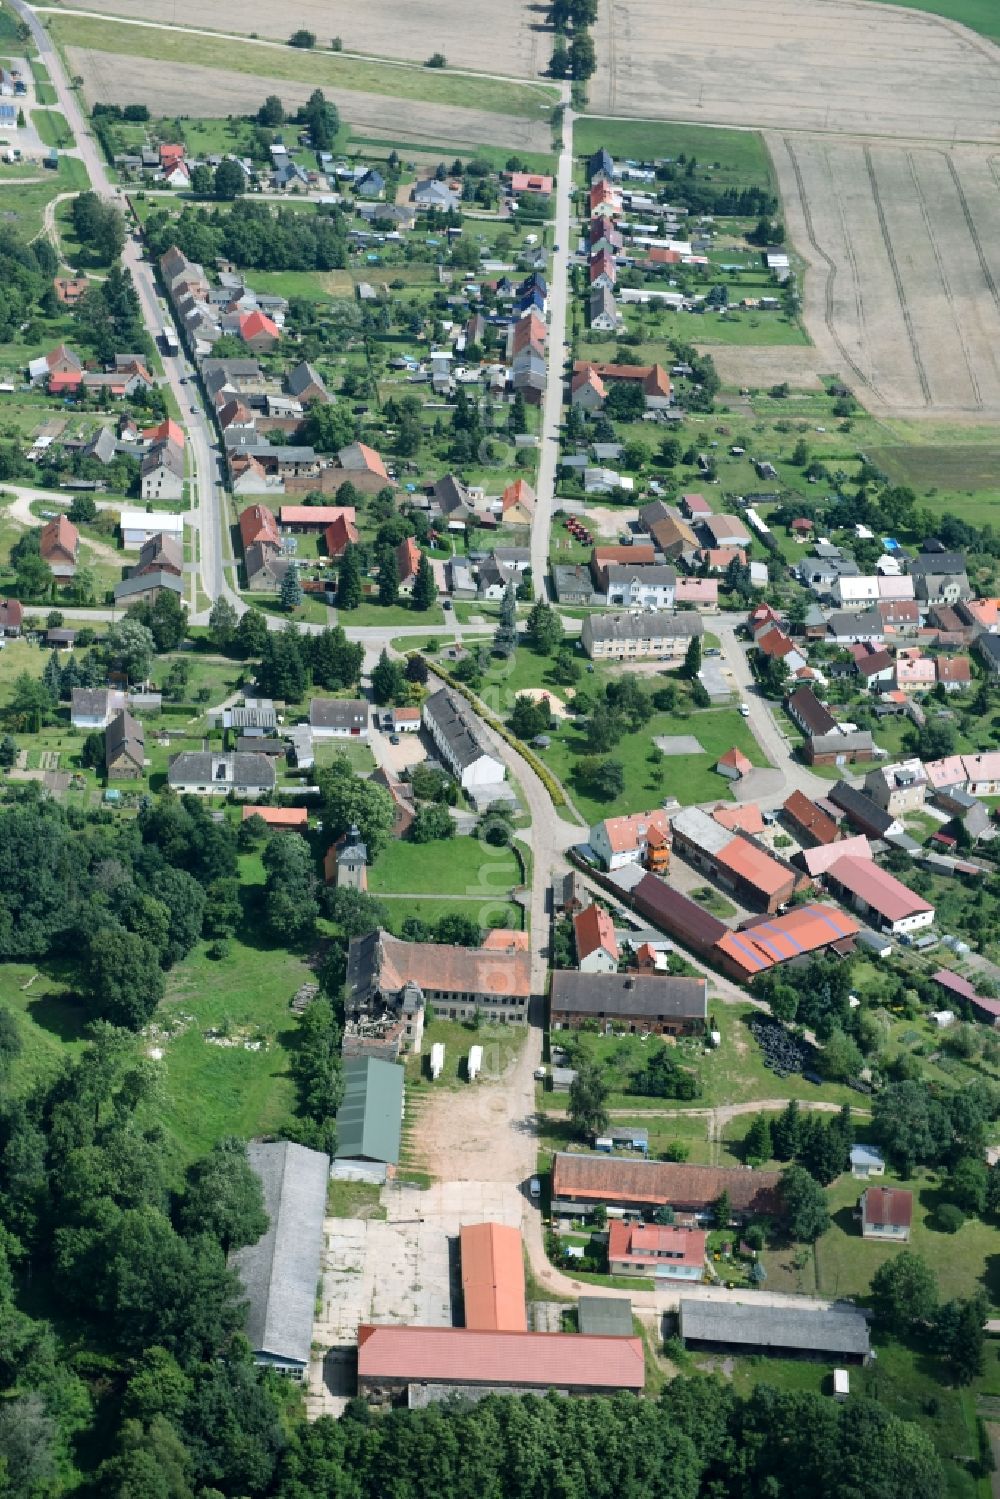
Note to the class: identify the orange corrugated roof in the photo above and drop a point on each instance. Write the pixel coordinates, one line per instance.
(493, 1278)
(642, 1242)
(752, 864)
(319, 516)
(500, 938)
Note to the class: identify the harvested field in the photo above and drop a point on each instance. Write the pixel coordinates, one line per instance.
(903, 294)
(507, 37)
(840, 65)
(758, 367)
(331, 71)
(199, 91)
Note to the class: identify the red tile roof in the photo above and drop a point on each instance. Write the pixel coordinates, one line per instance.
(810, 819)
(601, 1178)
(257, 523)
(646, 1243)
(735, 759)
(168, 431)
(319, 516)
(593, 930)
(746, 817)
(493, 1278)
(60, 536)
(407, 559)
(890, 1205)
(462, 1355)
(878, 888)
(339, 534)
(253, 324)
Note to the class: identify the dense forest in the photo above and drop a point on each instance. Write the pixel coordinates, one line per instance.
(253, 235)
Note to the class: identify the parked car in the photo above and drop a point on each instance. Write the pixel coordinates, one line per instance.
(535, 1187)
(744, 710)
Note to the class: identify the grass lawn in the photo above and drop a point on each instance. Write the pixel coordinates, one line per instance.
(237, 1091)
(321, 69)
(50, 1024)
(956, 479)
(452, 866)
(691, 778)
(348, 1199)
(749, 329)
(22, 204)
(52, 128)
(500, 1044)
(963, 1263)
(556, 1133)
(734, 155)
(734, 1071)
(373, 614)
(488, 913)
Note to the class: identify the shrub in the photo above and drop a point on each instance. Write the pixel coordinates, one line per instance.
(949, 1218)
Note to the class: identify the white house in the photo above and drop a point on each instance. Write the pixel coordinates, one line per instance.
(652, 587)
(458, 737)
(886, 1213)
(95, 707)
(627, 840)
(138, 526)
(338, 718)
(596, 945)
(866, 1161)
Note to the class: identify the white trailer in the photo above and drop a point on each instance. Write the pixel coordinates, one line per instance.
(475, 1062)
(437, 1060)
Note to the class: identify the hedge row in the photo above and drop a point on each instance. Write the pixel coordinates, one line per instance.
(548, 780)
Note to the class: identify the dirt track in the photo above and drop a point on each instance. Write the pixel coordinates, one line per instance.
(903, 295)
(840, 65)
(506, 36)
(191, 90)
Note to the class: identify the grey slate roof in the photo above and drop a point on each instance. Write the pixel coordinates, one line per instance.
(369, 1120)
(837, 743)
(806, 706)
(938, 564)
(604, 1316)
(857, 622)
(451, 496)
(656, 574)
(653, 625)
(280, 1271)
(124, 735)
(129, 587)
(161, 551)
(345, 713)
(839, 1330)
(457, 726)
(612, 994)
(860, 809)
(200, 768)
(302, 377)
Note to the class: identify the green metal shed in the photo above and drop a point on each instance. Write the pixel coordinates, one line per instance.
(370, 1118)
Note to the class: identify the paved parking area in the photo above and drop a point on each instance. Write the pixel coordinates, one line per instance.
(404, 1268)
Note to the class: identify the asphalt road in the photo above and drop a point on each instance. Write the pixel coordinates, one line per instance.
(548, 457)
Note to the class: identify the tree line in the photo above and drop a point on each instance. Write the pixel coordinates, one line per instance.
(257, 236)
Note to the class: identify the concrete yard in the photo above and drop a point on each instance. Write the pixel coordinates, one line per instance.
(402, 1269)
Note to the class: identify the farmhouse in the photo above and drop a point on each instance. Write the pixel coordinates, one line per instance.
(677, 915)
(735, 860)
(280, 1272)
(841, 1332)
(665, 1253)
(59, 545)
(886, 1213)
(627, 1002)
(839, 748)
(810, 821)
(806, 710)
(638, 1189)
(391, 1358)
(596, 947)
(389, 980)
(864, 814)
(370, 1117)
(124, 748)
(638, 838)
